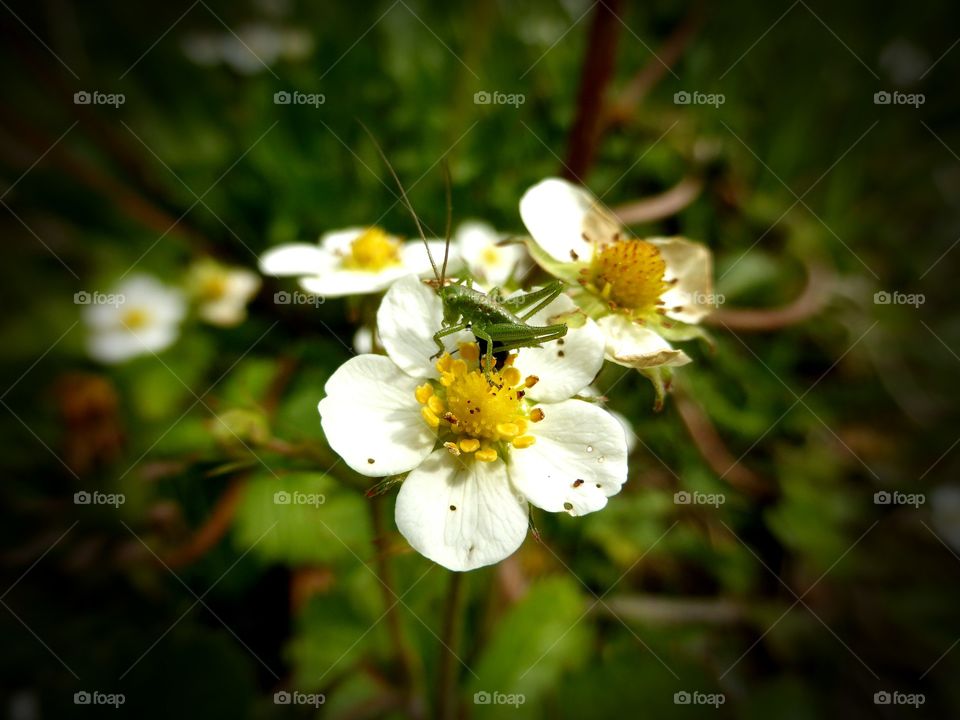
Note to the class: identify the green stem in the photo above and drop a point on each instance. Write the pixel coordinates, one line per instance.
(450, 638)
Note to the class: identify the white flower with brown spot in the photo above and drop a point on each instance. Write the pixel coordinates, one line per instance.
(144, 320)
(354, 261)
(640, 291)
(478, 445)
(221, 292)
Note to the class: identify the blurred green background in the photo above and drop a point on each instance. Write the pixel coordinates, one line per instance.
(799, 597)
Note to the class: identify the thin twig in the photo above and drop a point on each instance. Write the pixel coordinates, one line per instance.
(663, 205)
(452, 625)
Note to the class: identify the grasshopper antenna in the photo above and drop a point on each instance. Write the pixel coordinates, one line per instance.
(446, 247)
(407, 204)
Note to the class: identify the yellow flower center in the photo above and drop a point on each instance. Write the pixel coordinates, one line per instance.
(135, 319)
(213, 286)
(490, 256)
(629, 275)
(481, 412)
(372, 251)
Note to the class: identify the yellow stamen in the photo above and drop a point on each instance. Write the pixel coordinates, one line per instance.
(469, 445)
(423, 393)
(508, 430)
(443, 364)
(486, 455)
(523, 441)
(536, 415)
(431, 419)
(372, 251)
(531, 380)
(436, 404)
(470, 352)
(452, 447)
(458, 367)
(629, 273)
(511, 376)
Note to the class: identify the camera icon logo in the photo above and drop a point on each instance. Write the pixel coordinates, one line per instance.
(882, 97)
(81, 298)
(281, 497)
(881, 297)
(282, 697)
(481, 97)
(882, 697)
(82, 698)
(82, 498)
(481, 698)
(882, 497)
(282, 297)
(82, 97)
(681, 697)
(681, 97)
(282, 97)
(681, 498)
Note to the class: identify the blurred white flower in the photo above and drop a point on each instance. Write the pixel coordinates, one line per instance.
(145, 319)
(945, 504)
(478, 446)
(354, 261)
(253, 47)
(488, 261)
(633, 287)
(222, 292)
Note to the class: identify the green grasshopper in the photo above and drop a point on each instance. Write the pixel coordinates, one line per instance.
(500, 323)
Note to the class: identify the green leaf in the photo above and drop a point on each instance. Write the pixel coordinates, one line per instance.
(302, 518)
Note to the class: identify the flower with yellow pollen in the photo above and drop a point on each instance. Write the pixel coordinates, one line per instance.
(477, 443)
(641, 292)
(353, 261)
(141, 316)
(488, 259)
(221, 292)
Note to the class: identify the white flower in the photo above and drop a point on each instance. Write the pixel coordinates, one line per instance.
(222, 292)
(251, 50)
(476, 450)
(488, 261)
(144, 319)
(638, 289)
(354, 261)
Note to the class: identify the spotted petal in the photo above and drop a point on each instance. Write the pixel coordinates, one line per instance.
(461, 514)
(636, 346)
(690, 263)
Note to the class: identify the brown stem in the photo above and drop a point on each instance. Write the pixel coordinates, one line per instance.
(663, 205)
(450, 634)
(212, 530)
(598, 67)
(816, 294)
(708, 441)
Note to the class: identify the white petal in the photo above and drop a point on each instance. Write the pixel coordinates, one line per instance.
(462, 514)
(691, 263)
(416, 260)
(114, 346)
(577, 462)
(636, 346)
(296, 259)
(408, 317)
(558, 213)
(337, 282)
(370, 413)
(566, 367)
